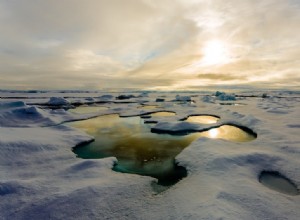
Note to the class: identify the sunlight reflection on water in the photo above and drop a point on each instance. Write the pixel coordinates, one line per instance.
(138, 150)
(202, 119)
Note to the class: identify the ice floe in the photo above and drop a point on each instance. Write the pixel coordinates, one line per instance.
(41, 178)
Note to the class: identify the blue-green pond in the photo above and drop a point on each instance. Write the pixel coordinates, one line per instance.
(138, 150)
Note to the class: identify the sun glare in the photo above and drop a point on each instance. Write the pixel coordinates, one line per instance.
(213, 133)
(215, 52)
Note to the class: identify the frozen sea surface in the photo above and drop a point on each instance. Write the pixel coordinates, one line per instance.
(41, 178)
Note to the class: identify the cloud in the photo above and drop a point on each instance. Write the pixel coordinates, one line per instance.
(220, 76)
(100, 43)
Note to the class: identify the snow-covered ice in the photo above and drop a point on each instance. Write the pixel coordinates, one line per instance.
(183, 98)
(59, 101)
(41, 178)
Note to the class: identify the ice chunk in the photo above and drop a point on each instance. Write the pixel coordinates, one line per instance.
(226, 97)
(6, 105)
(183, 98)
(58, 101)
(106, 97)
(121, 97)
(207, 99)
(90, 99)
(218, 93)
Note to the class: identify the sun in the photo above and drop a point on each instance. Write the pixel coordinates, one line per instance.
(215, 52)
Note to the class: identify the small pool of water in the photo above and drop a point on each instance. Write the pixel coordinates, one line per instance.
(202, 119)
(138, 150)
(275, 181)
(228, 132)
(87, 109)
(148, 107)
(163, 114)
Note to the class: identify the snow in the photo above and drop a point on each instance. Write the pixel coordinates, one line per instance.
(226, 97)
(18, 114)
(222, 96)
(176, 127)
(218, 96)
(106, 97)
(41, 178)
(58, 101)
(183, 98)
(207, 99)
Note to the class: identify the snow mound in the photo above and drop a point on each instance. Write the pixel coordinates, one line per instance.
(58, 101)
(175, 127)
(183, 98)
(23, 117)
(207, 99)
(18, 114)
(222, 96)
(144, 94)
(218, 93)
(106, 97)
(6, 105)
(90, 99)
(226, 97)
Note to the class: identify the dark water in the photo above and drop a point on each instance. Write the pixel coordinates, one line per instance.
(138, 150)
(278, 182)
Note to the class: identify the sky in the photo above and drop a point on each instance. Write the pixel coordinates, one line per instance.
(145, 44)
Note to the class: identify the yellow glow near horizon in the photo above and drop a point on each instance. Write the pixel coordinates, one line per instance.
(215, 52)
